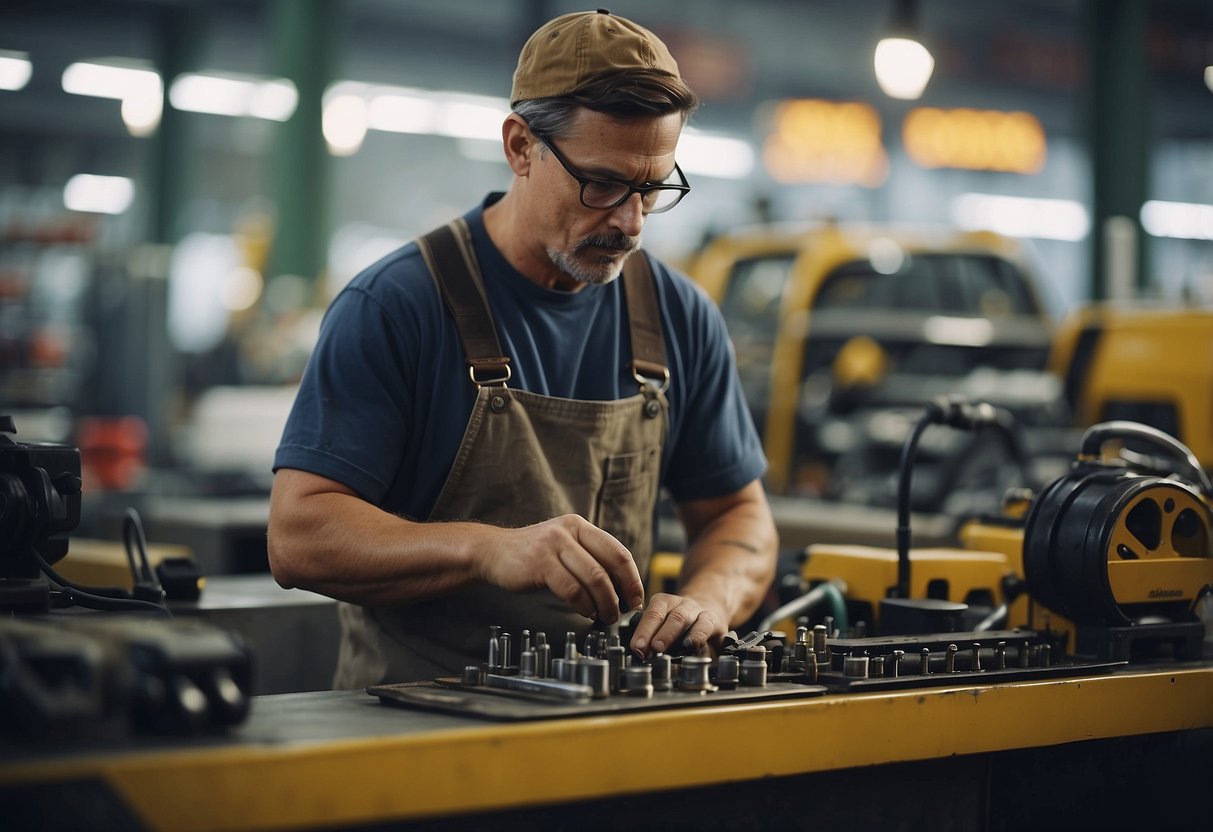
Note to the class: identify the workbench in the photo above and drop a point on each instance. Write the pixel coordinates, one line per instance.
(1127, 748)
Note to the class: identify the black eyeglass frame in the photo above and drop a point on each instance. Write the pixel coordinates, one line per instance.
(583, 181)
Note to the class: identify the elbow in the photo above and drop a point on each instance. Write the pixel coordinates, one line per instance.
(284, 555)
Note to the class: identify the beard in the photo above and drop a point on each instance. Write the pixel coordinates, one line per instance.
(591, 260)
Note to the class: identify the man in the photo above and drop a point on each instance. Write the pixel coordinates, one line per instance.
(468, 447)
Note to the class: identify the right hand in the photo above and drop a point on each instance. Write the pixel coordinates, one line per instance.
(578, 562)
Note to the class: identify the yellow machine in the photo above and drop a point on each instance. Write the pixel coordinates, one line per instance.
(1113, 555)
(1120, 363)
(824, 315)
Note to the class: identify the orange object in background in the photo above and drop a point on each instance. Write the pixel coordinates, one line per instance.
(113, 451)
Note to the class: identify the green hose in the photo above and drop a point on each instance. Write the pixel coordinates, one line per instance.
(838, 603)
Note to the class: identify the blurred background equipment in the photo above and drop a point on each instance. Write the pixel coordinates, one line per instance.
(186, 185)
(72, 676)
(39, 505)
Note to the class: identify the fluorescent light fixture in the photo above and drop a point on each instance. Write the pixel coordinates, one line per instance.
(467, 117)
(1046, 219)
(15, 70)
(1181, 220)
(903, 67)
(426, 112)
(715, 155)
(344, 122)
(114, 78)
(98, 194)
(469, 120)
(229, 94)
(132, 82)
(398, 113)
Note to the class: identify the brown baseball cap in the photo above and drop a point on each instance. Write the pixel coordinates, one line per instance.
(568, 50)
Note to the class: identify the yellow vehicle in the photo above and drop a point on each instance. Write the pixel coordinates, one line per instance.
(1148, 365)
(834, 325)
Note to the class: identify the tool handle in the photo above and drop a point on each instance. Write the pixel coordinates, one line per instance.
(1097, 435)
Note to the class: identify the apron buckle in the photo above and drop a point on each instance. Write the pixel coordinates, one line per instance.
(659, 377)
(502, 368)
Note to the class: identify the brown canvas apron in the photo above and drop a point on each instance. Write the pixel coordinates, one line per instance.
(524, 458)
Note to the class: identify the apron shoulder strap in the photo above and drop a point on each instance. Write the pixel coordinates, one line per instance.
(452, 263)
(648, 344)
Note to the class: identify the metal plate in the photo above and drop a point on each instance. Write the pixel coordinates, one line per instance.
(491, 703)
(838, 682)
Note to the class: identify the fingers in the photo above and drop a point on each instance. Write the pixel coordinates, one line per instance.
(581, 564)
(614, 557)
(604, 570)
(674, 621)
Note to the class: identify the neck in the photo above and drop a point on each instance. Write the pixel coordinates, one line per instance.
(508, 231)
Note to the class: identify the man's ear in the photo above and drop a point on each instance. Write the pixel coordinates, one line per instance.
(518, 142)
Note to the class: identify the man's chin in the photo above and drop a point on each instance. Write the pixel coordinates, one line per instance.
(598, 271)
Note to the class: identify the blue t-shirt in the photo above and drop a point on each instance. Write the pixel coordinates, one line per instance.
(385, 397)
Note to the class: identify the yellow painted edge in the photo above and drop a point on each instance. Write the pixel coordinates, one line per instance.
(495, 766)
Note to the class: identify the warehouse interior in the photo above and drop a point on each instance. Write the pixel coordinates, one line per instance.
(1017, 255)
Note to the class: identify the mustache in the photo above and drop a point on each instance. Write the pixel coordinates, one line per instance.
(612, 242)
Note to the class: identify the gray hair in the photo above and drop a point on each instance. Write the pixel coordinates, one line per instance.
(625, 95)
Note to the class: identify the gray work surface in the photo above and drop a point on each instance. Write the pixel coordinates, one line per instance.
(293, 633)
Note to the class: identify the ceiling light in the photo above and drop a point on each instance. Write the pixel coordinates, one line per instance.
(903, 65)
(98, 194)
(344, 122)
(132, 82)
(230, 94)
(15, 70)
(397, 113)
(1014, 216)
(1181, 220)
(111, 78)
(469, 120)
(723, 157)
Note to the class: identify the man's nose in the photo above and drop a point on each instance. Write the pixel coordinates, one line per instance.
(629, 216)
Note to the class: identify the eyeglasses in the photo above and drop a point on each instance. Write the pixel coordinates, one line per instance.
(604, 194)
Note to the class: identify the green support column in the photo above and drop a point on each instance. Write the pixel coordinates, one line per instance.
(1118, 124)
(172, 168)
(304, 43)
(135, 383)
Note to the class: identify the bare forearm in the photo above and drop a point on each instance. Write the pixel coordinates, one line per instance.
(341, 546)
(731, 562)
(325, 538)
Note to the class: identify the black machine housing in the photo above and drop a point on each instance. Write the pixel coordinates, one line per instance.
(39, 503)
(1077, 528)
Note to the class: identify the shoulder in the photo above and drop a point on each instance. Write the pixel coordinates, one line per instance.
(398, 285)
(401, 271)
(684, 303)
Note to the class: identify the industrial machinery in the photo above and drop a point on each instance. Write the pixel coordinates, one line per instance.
(70, 664)
(599, 678)
(1122, 546)
(1102, 567)
(1151, 365)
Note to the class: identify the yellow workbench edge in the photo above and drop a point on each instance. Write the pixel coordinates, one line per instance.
(492, 766)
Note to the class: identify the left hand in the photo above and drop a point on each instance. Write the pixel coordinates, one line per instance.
(678, 623)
